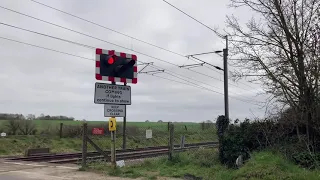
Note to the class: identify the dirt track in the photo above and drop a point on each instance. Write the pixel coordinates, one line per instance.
(45, 171)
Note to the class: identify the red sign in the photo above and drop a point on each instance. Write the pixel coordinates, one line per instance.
(97, 131)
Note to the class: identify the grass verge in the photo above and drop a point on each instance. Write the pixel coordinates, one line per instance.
(204, 163)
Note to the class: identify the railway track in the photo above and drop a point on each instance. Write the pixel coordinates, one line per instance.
(137, 153)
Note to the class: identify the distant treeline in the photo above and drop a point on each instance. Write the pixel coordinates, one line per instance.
(7, 116)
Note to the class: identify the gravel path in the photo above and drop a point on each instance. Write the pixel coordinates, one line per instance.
(44, 171)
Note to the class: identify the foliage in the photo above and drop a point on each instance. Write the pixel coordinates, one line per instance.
(221, 126)
(13, 126)
(72, 131)
(27, 127)
(207, 125)
(297, 153)
(268, 165)
(23, 127)
(48, 132)
(48, 117)
(204, 163)
(306, 159)
(280, 47)
(8, 116)
(241, 139)
(16, 145)
(248, 136)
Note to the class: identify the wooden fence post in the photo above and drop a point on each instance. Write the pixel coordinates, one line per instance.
(182, 142)
(60, 131)
(84, 145)
(171, 142)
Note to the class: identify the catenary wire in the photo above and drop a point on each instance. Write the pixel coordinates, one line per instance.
(187, 79)
(200, 87)
(182, 76)
(118, 32)
(41, 47)
(87, 46)
(61, 52)
(73, 42)
(102, 27)
(249, 101)
(218, 34)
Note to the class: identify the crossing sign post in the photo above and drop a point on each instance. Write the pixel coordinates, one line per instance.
(114, 66)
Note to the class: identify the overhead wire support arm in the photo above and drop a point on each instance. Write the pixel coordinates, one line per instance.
(146, 65)
(157, 72)
(154, 72)
(192, 65)
(143, 63)
(212, 52)
(217, 67)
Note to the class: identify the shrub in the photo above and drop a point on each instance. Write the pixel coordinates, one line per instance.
(306, 159)
(27, 127)
(72, 131)
(249, 136)
(50, 130)
(298, 153)
(241, 139)
(13, 126)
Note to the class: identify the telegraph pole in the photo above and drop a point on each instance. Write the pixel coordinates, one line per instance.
(225, 74)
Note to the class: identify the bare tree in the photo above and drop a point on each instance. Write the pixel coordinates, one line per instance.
(280, 45)
(27, 127)
(13, 126)
(31, 117)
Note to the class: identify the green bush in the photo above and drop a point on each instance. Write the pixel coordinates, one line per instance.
(241, 139)
(245, 137)
(298, 153)
(305, 159)
(70, 131)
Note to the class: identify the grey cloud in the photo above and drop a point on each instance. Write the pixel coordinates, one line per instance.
(40, 81)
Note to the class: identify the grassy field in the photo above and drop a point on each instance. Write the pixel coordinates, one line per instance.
(43, 124)
(47, 136)
(263, 165)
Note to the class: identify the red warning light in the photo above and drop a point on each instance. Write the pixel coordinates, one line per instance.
(110, 60)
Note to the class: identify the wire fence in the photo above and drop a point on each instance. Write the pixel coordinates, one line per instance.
(151, 137)
(158, 140)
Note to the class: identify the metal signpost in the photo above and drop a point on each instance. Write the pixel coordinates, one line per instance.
(115, 67)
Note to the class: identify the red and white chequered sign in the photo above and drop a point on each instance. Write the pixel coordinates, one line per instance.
(115, 79)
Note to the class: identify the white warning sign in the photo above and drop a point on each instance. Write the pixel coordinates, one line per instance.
(112, 94)
(148, 133)
(111, 110)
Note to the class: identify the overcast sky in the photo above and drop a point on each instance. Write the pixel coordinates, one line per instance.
(39, 81)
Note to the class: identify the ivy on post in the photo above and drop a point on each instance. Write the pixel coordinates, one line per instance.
(60, 130)
(171, 145)
(221, 125)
